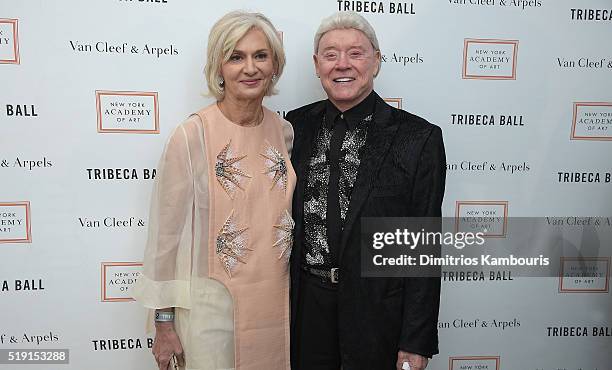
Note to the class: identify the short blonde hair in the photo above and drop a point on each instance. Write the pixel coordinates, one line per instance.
(224, 36)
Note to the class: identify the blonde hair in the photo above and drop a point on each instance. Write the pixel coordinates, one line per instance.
(224, 36)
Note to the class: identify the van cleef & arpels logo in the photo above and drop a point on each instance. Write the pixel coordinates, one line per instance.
(508, 4)
(123, 48)
(402, 59)
(501, 167)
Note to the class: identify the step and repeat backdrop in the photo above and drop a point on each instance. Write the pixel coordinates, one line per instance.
(90, 90)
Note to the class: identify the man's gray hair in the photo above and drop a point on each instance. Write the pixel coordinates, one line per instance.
(342, 21)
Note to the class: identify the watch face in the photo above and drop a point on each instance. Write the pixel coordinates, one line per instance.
(164, 316)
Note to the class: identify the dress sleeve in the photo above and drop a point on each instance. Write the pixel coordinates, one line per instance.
(165, 281)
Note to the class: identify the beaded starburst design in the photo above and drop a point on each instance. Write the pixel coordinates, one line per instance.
(276, 168)
(228, 171)
(231, 244)
(284, 235)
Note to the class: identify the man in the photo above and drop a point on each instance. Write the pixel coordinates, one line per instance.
(356, 156)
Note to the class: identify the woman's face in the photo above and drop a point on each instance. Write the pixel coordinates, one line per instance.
(249, 70)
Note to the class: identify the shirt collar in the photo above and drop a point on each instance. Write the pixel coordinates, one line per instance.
(353, 116)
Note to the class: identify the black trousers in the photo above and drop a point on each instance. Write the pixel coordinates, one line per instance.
(316, 339)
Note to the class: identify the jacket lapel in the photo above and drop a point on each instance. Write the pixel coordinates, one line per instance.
(380, 135)
(308, 128)
(310, 125)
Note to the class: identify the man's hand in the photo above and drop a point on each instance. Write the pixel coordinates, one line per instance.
(417, 362)
(166, 344)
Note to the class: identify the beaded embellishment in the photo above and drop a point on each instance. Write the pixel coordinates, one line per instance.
(231, 244)
(284, 235)
(228, 171)
(276, 168)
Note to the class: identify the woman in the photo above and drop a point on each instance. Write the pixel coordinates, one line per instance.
(220, 232)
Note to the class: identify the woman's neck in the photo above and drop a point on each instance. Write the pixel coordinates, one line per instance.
(241, 112)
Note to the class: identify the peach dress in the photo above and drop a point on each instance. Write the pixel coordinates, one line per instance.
(220, 237)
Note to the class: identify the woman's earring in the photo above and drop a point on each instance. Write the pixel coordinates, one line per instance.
(274, 77)
(221, 82)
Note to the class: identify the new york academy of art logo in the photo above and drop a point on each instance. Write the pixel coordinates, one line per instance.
(584, 275)
(132, 112)
(117, 278)
(15, 223)
(9, 41)
(490, 59)
(489, 217)
(394, 102)
(592, 121)
(474, 362)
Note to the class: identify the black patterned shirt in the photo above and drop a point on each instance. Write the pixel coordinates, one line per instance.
(332, 171)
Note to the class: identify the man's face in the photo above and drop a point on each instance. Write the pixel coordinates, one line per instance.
(346, 62)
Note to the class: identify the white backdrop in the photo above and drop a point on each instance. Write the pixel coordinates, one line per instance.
(90, 90)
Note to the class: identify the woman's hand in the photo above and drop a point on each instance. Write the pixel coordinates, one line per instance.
(166, 344)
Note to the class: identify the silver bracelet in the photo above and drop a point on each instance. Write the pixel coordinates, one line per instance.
(164, 316)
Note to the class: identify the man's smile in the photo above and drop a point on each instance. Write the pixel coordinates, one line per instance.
(344, 79)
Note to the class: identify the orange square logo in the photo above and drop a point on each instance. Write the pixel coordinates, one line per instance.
(127, 112)
(117, 279)
(9, 41)
(486, 59)
(394, 102)
(584, 275)
(489, 217)
(15, 224)
(474, 362)
(592, 121)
